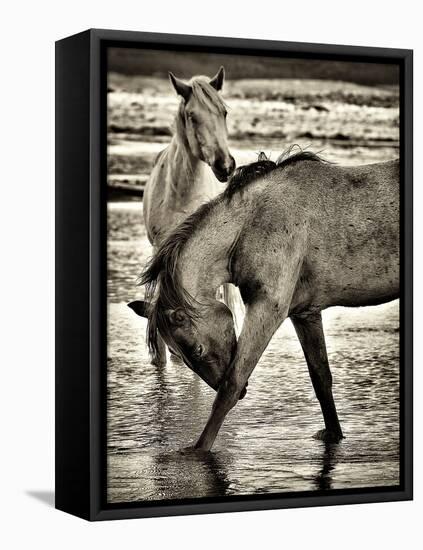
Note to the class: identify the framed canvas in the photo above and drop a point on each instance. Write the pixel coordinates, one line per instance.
(218, 187)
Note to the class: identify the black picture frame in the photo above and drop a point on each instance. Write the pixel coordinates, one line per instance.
(81, 170)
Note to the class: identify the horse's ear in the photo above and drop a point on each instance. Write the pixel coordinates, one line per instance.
(140, 307)
(177, 317)
(217, 81)
(182, 89)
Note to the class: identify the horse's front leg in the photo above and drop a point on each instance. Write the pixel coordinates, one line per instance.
(261, 321)
(309, 330)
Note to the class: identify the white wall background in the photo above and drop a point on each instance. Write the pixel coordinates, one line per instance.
(27, 36)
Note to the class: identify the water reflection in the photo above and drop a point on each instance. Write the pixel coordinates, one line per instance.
(266, 444)
(323, 479)
(195, 474)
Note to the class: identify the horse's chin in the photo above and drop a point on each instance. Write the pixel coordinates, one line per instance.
(244, 392)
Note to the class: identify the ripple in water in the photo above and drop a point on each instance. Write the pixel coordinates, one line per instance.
(266, 444)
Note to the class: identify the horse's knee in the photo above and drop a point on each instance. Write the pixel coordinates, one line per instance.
(232, 389)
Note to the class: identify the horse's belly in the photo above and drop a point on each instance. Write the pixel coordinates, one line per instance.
(364, 297)
(367, 281)
(365, 287)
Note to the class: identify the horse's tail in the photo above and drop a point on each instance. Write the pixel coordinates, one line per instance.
(232, 298)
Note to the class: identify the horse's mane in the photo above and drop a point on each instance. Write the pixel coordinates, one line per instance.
(164, 290)
(248, 173)
(206, 95)
(244, 175)
(161, 275)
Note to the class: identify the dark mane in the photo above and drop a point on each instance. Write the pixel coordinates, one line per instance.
(245, 175)
(161, 275)
(164, 290)
(287, 159)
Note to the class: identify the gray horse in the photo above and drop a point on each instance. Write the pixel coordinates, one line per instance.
(296, 237)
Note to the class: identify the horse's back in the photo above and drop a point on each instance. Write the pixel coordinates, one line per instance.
(331, 197)
(340, 224)
(332, 180)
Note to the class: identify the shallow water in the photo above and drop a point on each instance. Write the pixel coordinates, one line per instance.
(266, 443)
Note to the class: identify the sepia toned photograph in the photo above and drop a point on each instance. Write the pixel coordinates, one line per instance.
(253, 266)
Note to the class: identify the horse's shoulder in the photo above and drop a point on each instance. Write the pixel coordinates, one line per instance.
(275, 219)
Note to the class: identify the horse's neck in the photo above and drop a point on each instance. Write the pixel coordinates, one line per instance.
(204, 263)
(184, 170)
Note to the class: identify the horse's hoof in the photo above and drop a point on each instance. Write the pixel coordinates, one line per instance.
(328, 436)
(192, 449)
(158, 363)
(187, 450)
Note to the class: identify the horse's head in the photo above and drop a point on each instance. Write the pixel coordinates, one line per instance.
(202, 116)
(206, 344)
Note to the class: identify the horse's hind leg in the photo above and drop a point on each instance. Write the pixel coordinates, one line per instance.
(309, 330)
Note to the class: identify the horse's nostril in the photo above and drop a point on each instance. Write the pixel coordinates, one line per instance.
(219, 165)
(224, 165)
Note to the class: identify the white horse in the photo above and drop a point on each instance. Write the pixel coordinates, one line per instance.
(186, 173)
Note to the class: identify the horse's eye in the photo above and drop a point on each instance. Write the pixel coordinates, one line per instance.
(198, 351)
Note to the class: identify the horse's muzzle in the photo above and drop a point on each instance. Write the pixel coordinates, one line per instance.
(223, 168)
(243, 392)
